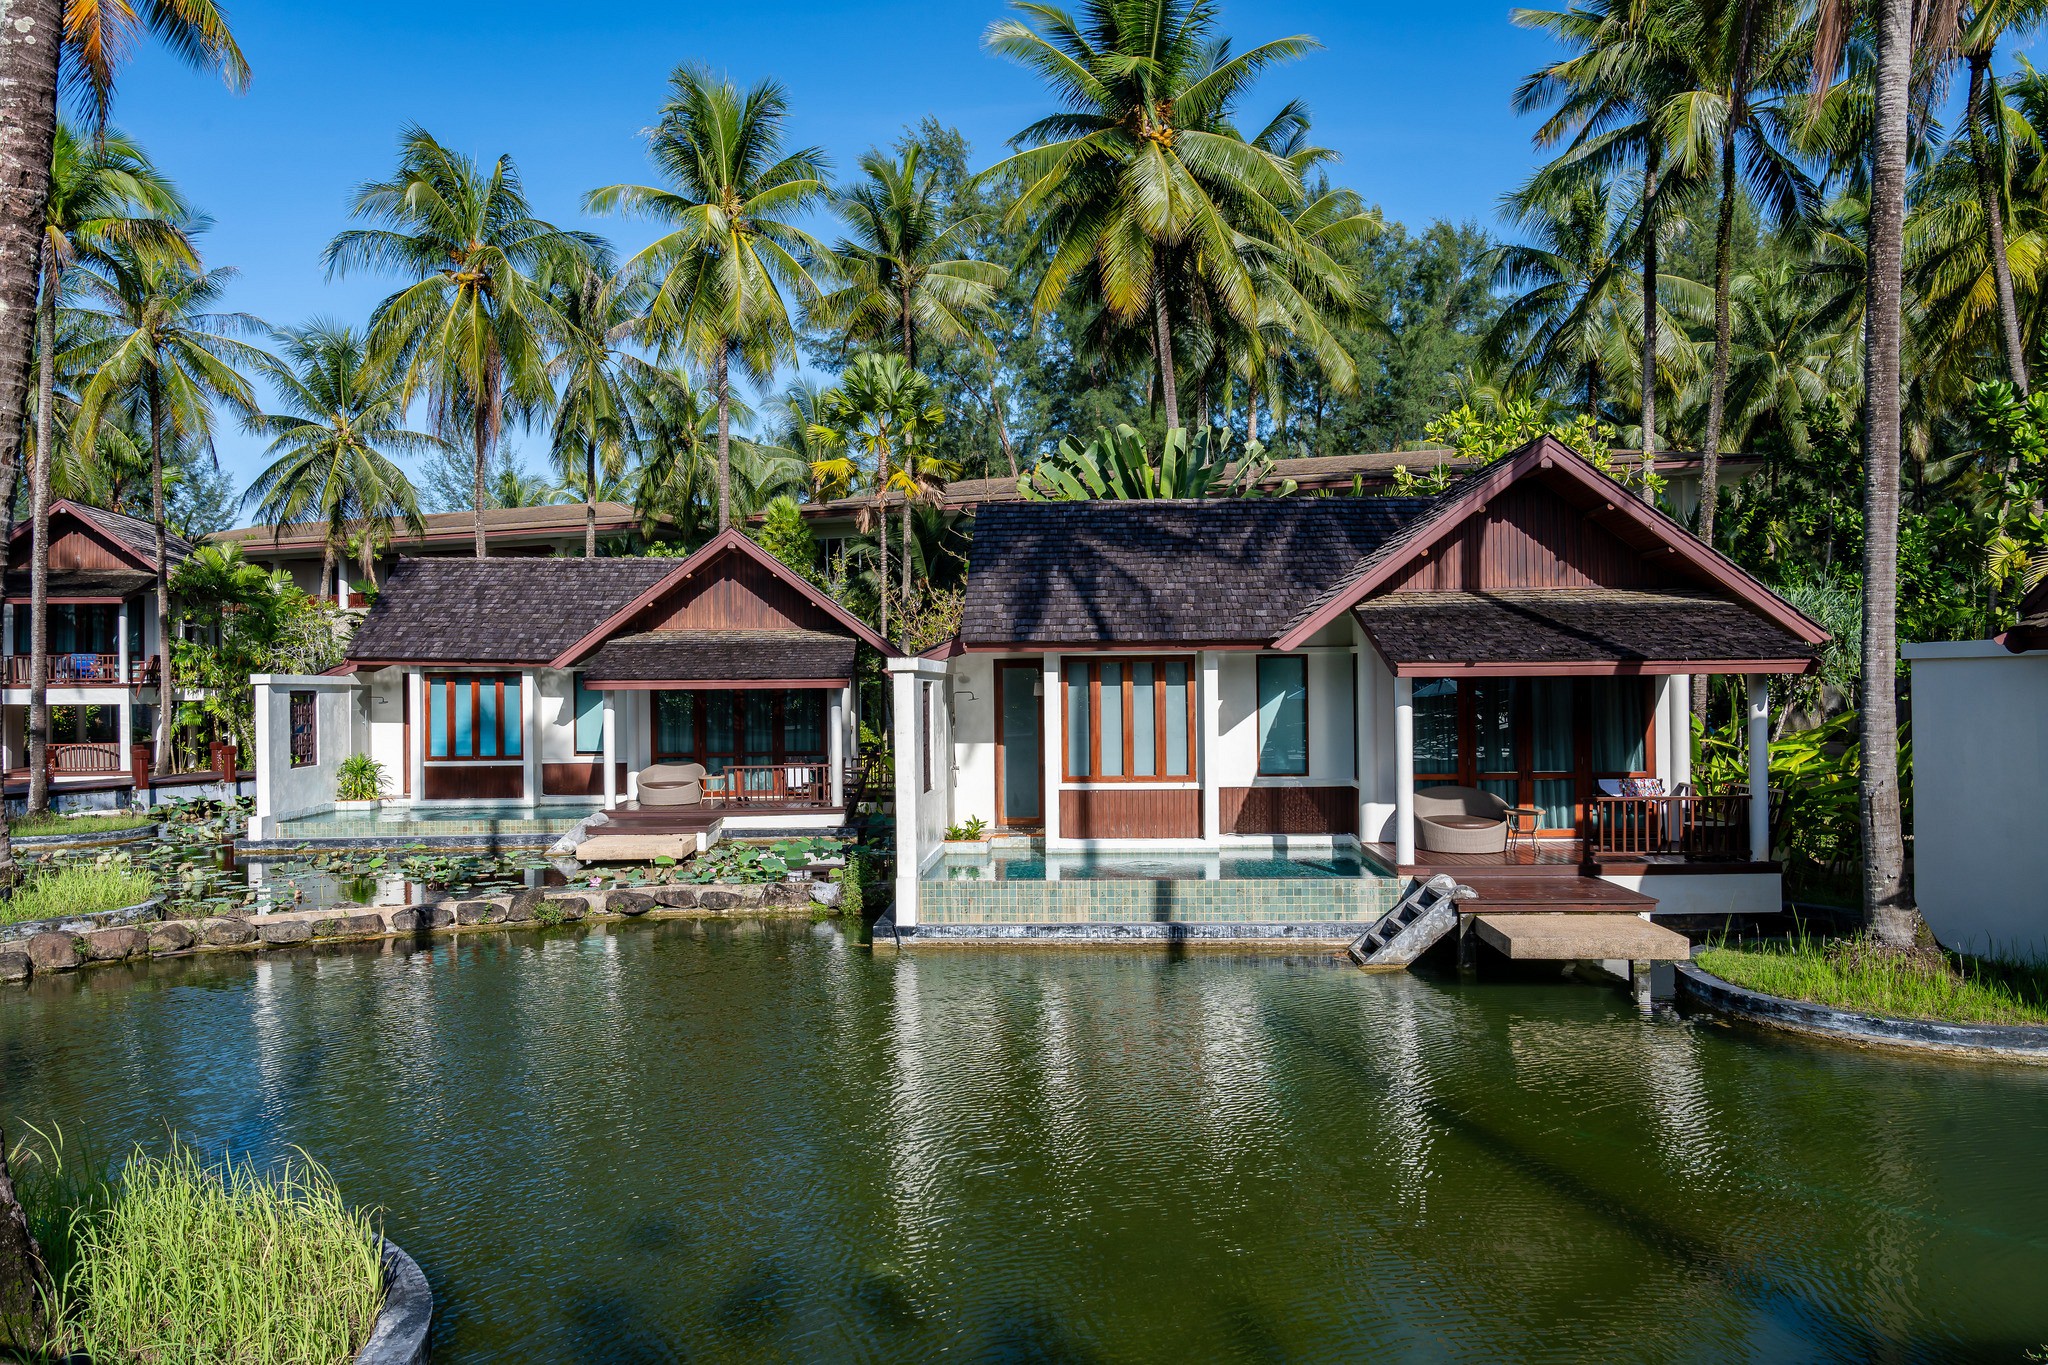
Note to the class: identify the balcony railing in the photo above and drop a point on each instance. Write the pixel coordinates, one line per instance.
(84, 670)
(797, 782)
(1703, 827)
(87, 760)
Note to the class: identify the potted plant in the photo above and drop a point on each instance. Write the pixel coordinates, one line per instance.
(359, 784)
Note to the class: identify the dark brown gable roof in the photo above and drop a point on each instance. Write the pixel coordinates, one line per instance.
(1575, 630)
(724, 656)
(495, 610)
(1166, 572)
(131, 537)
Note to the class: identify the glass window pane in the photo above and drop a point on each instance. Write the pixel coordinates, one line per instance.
(1177, 720)
(1283, 716)
(515, 720)
(1436, 727)
(589, 719)
(1493, 724)
(675, 724)
(760, 727)
(1554, 795)
(1144, 732)
(1551, 706)
(803, 723)
(1113, 720)
(1620, 717)
(437, 718)
(1022, 751)
(1078, 747)
(486, 718)
(460, 704)
(1506, 788)
(718, 730)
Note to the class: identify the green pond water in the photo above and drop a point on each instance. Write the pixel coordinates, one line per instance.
(756, 1142)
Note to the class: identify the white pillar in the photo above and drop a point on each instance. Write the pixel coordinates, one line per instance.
(1759, 767)
(261, 825)
(1681, 730)
(910, 743)
(1404, 771)
(416, 752)
(835, 745)
(629, 741)
(1053, 740)
(611, 750)
(121, 644)
(1363, 730)
(1211, 702)
(529, 733)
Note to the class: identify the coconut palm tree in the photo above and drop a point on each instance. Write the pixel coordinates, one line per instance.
(1984, 119)
(331, 448)
(732, 249)
(1140, 189)
(902, 280)
(471, 328)
(100, 193)
(168, 350)
(1570, 286)
(598, 406)
(872, 424)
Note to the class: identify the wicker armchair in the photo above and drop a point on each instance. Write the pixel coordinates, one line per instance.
(1461, 820)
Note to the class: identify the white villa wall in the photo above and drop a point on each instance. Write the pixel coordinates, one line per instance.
(1706, 893)
(384, 729)
(1332, 700)
(1980, 749)
(921, 815)
(971, 684)
(283, 791)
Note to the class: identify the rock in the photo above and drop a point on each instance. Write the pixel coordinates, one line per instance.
(228, 932)
(520, 910)
(720, 898)
(405, 921)
(479, 912)
(52, 952)
(440, 916)
(348, 926)
(787, 894)
(115, 945)
(628, 903)
(569, 908)
(278, 932)
(828, 894)
(15, 966)
(171, 936)
(676, 897)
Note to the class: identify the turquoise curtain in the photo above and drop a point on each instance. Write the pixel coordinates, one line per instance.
(1620, 708)
(589, 719)
(675, 724)
(1283, 716)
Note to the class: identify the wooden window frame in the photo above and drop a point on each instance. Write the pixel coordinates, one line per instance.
(700, 729)
(1159, 685)
(475, 683)
(1308, 761)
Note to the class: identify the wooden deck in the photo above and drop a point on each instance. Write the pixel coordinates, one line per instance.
(1554, 938)
(1563, 858)
(1554, 895)
(633, 818)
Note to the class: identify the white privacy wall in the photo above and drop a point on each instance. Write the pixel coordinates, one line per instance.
(1332, 746)
(921, 815)
(1980, 758)
(973, 688)
(283, 791)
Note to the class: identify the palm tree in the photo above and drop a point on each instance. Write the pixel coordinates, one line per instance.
(732, 247)
(902, 281)
(595, 426)
(100, 193)
(1570, 287)
(881, 410)
(1140, 188)
(1983, 112)
(331, 448)
(167, 349)
(470, 331)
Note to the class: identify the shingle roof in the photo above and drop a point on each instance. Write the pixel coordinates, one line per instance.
(451, 526)
(1538, 626)
(133, 534)
(496, 610)
(84, 582)
(723, 656)
(1165, 571)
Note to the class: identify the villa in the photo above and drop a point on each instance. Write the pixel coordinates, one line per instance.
(554, 684)
(1492, 682)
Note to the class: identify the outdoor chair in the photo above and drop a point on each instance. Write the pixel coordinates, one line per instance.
(672, 784)
(1461, 820)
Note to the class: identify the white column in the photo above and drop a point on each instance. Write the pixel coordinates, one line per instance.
(261, 826)
(835, 745)
(529, 733)
(1681, 729)
(1212, 744)
(611, 750)
(1053, 740)
(629, 742)
(416, 751)
(1404, 770)
(910, 742)
(1759, 767)
(1361, 739)
(121, 643)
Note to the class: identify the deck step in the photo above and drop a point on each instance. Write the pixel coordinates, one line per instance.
(1425, 914)
(1555, 895)
(1555, 937)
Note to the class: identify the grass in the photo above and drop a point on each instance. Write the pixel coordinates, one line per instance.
(176, 1260)
(1854, 974)
(77, 889)
(32, 826)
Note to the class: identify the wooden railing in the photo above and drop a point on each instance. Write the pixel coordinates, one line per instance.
(1682, 826)
(72, 670)
(77, 760)
(797, 782)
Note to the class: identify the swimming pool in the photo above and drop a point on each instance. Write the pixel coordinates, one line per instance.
(491, 819)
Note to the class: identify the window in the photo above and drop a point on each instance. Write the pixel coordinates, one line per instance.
(589, 719)
(924, 720)
(726, 728)
(305, 723)
(473, 717)
(1130, 720)
(1283, 716)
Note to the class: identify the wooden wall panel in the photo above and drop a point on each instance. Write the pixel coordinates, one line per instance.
(578, 779)
(1139, 813)
(72, 546)
(1288, 810)
(473, 782)
(1529, 537)
(735, 593)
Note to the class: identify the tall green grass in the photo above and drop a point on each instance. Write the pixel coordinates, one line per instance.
(26, 826)
(177, 1260)
(1854, 974)
(78, 889)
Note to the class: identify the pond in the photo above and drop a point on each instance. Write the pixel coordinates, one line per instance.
(756, 1141)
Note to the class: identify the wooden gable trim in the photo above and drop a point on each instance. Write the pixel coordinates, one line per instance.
(25, 530)
(1547, 453)
(729, 540)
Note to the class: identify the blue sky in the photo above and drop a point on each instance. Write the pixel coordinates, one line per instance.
(1414, 98)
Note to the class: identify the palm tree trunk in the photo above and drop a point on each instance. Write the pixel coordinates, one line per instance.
(166, 693)
(1888, 911)
(1990, 198)
(882, 557)
(1717, 384)
(905, 546)
(1251, 413)
(995, 407)
(1651, 162)
(909, 328)
(722, 380)
(590, 500)
(1162, 340)
(39, 544)
(480, 494)
(25, 1286)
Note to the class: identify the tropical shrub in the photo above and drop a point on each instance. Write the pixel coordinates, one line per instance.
(1116, 464)
(1513, 423)
(360, 778)
(970, 830)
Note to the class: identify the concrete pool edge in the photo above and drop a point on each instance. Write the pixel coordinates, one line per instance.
(1333, 933)
(398, 1336)
(2027, 1044)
